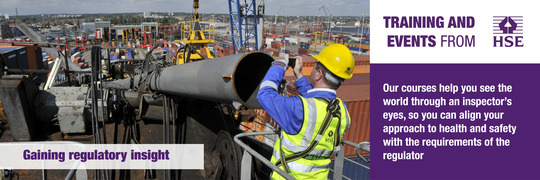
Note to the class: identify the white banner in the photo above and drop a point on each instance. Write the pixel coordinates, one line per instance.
(69, 155)
(457, 31)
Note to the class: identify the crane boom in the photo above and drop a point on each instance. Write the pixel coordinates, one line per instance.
(325, 10)
(281, 8)
(196, 8)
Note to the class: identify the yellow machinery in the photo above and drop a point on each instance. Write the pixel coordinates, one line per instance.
(316, 34)
(199, 34)
(129, 35)
(320, 40)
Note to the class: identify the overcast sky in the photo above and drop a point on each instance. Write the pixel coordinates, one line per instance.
(290, 7)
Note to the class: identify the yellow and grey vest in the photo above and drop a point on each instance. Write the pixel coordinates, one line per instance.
(307, 153)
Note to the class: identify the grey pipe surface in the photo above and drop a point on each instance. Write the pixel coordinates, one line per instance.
(225, 79)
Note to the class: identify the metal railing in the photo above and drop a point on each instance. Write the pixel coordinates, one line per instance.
(339, 161)
(365, 146)
(206, 27)
(249, 153)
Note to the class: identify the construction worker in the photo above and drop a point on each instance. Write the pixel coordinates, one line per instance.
(312, 124)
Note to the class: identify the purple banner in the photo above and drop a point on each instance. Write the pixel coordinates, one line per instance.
(509, 147)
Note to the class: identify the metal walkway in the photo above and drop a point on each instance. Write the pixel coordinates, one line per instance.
(339, 161)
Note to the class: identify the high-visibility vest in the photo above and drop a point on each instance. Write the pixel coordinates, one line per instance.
(314, 164)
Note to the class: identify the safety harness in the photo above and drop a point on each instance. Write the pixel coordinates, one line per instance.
(332, 110)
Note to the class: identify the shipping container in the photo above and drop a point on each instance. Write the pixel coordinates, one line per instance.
(227, 51)
(359, 128)
(361, 59)
(304, 45)
(364, 47)
(35, 58)
(17, 58)
(273, 51)
(10, 57)
(114, 56)
(258, 124)
(303, 51)
(354, 49)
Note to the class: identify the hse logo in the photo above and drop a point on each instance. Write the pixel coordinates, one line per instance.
(330, 138)
(507, 31)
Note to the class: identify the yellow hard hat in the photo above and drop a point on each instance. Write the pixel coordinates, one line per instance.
(337, 59)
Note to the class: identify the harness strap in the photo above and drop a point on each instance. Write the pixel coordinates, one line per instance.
(333, 110)
(337, 135)
(282, 158)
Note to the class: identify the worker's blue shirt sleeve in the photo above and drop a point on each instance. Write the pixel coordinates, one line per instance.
(303, 85)
(350, 120)
(288, 112)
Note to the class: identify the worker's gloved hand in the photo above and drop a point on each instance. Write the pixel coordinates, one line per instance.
(283, 63)
(298, 68)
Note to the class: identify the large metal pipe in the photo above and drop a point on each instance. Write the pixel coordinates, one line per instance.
(225, 79)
